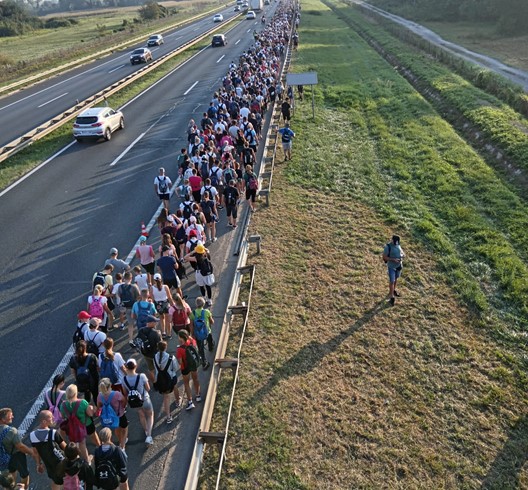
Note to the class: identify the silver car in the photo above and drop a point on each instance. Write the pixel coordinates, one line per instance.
(98, 122)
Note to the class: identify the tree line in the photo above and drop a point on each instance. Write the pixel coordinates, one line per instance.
(510, 17)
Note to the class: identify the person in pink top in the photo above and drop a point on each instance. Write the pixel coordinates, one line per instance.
(195, 181)
(145, 254)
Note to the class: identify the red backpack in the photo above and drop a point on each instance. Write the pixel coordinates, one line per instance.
(75, 429)
(180, 318)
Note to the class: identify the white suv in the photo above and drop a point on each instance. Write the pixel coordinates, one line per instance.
(98, 122)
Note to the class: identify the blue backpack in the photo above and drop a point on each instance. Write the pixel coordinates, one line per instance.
(142, 314)
(108, 369)
(109, 416)
(200, 326)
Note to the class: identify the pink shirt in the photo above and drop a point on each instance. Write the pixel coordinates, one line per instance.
(145, 254)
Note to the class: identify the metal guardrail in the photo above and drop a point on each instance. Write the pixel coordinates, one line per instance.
(204, 435)
(81, 61)
(44, 129)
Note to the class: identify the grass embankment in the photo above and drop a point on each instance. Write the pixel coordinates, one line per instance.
(336, 389)
(24, 161)
(498, 123)
(45, 48)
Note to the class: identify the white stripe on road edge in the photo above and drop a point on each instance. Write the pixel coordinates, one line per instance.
(127, 149)
(115, 69)
(238, 41)
(221, 58)
(52, 100)
(191, 87)
(249, 30)
(29, 174)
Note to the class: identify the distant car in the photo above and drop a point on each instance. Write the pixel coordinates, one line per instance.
(237, 8)
(218, 40)
(245, 6)
(267, 2)
(155, 40)
(141, 55)
(97, 122)
(251, 15)
(240, 2)
(218, 18)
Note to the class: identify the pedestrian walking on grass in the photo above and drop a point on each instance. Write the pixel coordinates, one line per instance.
(393, 256)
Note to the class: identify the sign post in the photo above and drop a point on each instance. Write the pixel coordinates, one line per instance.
(307, 78)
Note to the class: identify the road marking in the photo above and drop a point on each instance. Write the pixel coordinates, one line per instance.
(127, 149)
(238, 41)
(196, 29)
(115, 69)
(221, 58)
(191, 87)
(249, 30)
(52, 100)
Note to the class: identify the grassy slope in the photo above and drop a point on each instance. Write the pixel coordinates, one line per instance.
(337, 390)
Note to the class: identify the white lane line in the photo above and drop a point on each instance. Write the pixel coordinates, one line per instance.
(249, 30)
(29, 174)
(52, 100)
(115, 69)
(221, 58)
(196, 29)
(127, 149)
(191, 87)
(238, 41)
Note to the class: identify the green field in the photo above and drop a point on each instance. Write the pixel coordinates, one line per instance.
(337, 389)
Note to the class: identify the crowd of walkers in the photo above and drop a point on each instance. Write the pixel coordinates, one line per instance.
(145, 305)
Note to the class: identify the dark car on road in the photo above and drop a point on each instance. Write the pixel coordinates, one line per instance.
(218, 40)
(140, 55)
(155, 40)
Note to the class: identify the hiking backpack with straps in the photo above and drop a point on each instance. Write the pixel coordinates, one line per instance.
(82, 375)
(180, 317)
(108, 369)
(214, 176)
(99, 280)
(54, 407)
(78, 334)
(73, 427)
(125, 293)
(187, 209)
(105, 471)
(135, 398)
(163, 382)
(96, 307)
(192, 357)
(91, 346)
(163, 185)
(200, 326)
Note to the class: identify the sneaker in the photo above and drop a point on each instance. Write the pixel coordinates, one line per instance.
(190, 405)
(131, 344)
(169, 420)
(206, 365)
(122, 326)
(214, 239)
(396, 293)
(392, 301)
(198, 398)
(149, 440)
(208, 303)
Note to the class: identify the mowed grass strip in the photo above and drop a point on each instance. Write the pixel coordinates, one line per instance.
(337, 390)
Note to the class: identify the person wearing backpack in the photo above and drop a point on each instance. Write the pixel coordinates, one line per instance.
(147, 339)
(162, 297)
(210, 212)
(287, 135)
(128, 294)
(111, 406)
(231, 197)
(94, 338)
(180, 313)
(189, 360)
(393, 256)
(54, 398)
(83, 318)
(162, 187)
(12, 450)
(166, 380)
(140, 311)
(251, 180)
(201, 321)
(111, 365)
(110, 464)
(48, 448)
(74, 470)
(137, 389)
(77, 421)
(84, 369)
(204, 274)
(186, 208)
(97, 307)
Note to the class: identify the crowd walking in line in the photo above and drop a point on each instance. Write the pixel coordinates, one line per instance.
(82, 432)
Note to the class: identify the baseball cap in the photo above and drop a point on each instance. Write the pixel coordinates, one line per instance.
(192, 219)
(142, 238)
(131, 364)
(157, 276)
(83, 315)
(94, 321)
(113, 251)
(193, 233)
(152, 318)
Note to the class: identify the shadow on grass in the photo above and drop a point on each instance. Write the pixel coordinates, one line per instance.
(311, 354)
(505, 469)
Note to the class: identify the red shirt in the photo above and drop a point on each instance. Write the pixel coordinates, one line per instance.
(180, 352)
(195, 182)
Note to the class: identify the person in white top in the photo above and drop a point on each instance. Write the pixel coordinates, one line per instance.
(141, 279)
(162, 361)
(161, 295)
(95, 335)
(162, 187)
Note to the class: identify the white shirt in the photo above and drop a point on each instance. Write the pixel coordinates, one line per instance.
(119, 363)
(141, 281)
(212, 190)
(97, 337)
(163, 179)
(244, 112)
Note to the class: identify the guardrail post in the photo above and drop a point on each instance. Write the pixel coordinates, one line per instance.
(257, 238)
(227, 363)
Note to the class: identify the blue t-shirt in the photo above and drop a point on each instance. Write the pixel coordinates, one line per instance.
(166, 264)
(287, 134)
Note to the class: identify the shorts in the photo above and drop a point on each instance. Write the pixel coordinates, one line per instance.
(393, 274)
(150, 268)
(209, 219)
(286, 145)
(147, 404)
(162, 307)
(251, 194)
(18, 462)
(164, 197)
(231, 210)
(172, 283)
(150, 363)
(174, 382)
(123, 421)
(186, 372)
(58, 480)
(177, 328)
(90, 427)
(202, 281)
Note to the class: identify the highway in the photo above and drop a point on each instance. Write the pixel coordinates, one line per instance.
(59, 225)
(28, 108)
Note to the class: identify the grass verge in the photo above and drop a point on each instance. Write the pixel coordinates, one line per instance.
(336, 389)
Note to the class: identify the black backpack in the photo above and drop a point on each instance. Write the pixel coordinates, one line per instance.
(192, 358)
(187, 210)
(83, 377)
(163, 380)
(106, 475)
(388, 255)
(78, 334)
(99, 280)
(231, 197)
(206, 267)
(125, 293)
(91, 346)
(146, 343)
(135, 398)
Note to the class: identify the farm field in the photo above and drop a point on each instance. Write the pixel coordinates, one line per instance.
(337, 389)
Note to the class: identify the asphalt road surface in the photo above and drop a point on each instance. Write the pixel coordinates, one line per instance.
(59, 225)
(28, 108)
